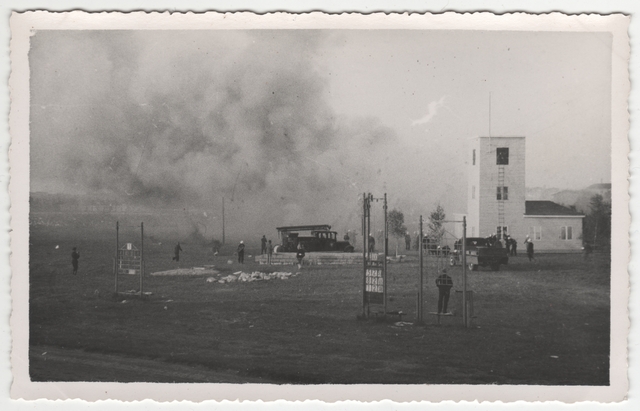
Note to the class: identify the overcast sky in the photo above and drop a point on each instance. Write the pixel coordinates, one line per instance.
(290, 126)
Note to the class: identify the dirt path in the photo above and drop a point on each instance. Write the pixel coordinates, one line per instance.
(78, 365)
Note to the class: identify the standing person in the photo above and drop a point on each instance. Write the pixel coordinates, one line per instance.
(444, 283)
(407, 241)
(263, 248)
(372, 243)
(269, 252)
(587, 250)
(75, 255)
(507, 244)
(300, 255)
(514, 246)
(176, 252)
(241, 252)
(529, 245)
(346, 236)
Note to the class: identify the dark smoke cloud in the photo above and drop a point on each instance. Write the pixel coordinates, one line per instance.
(183, 119)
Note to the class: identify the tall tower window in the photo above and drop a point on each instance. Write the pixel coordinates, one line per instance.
(474, 156)
(473, 192)
(502, 156)
(502, 193)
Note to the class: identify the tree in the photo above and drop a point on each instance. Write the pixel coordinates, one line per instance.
(597, 224)
(397, 229)
(435, 226)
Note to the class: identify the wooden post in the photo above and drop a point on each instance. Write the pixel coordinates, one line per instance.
(116, 262)
(465, 319)
(420, 298)
(384, 261)
(222, 220)
(364, 254)
(141, 258)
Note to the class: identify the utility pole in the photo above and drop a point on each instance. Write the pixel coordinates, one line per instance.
(420, 296)
(222, 220)
(386, 251)
(465, 314)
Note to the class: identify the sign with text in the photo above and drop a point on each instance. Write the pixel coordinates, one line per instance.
(129, 260)
(374, 287)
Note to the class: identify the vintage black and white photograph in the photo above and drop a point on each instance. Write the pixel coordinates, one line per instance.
(320, 206)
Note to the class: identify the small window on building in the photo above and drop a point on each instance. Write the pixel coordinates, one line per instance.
(473, 192)
(566, 233)
(535, 233)
(474, 156)
(502, 156)
(502, 193)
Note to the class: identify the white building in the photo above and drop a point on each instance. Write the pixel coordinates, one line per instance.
(496, 200)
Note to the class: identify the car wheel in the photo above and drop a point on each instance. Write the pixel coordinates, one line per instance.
(348, 249)
(452, 262)
(276, 249)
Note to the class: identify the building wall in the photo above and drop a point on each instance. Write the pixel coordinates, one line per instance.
(483, 210)
(550, 234)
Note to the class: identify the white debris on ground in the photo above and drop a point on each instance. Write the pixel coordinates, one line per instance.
(202, 270)
(254, 276)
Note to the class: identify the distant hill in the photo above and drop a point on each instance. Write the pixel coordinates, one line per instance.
(579, 198)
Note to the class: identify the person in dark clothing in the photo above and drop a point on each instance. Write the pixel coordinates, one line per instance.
(269, 252)
(263, 248)
(507, 244)
(587, 250)
(514, 246)
(529, 245)
(176, 252)
(75, 255)
(300, 255)
(407, 241)
(444, 283)
(346, 237)
(372, 244)
(241, 252)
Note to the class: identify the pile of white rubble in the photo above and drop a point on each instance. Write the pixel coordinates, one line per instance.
(249, 277)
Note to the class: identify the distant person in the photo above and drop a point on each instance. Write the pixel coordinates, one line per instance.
(529, 245)
(241, 252)
(587, 249)
(300, 255)
(514, 246)
(75, 255)
(269, 252)
(507, 244)
(263, 248)
(346, 237)
(176, 252)
(444, 283)
(372, 244)
(407, 241)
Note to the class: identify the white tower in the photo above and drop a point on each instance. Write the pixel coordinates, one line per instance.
(496, 193)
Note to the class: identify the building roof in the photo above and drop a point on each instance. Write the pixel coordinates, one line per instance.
(602, 186)
(548, 208)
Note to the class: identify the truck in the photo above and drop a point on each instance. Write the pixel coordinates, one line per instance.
(312, 237)
(480, 253)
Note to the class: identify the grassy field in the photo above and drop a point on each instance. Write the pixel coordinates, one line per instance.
(545, 322)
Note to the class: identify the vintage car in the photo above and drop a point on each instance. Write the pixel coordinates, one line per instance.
(312, 237)
(481, 252)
